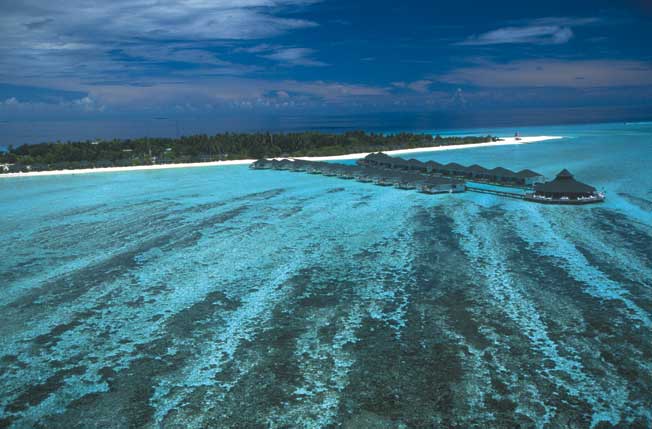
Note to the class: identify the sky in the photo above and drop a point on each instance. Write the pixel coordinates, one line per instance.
(535, 61)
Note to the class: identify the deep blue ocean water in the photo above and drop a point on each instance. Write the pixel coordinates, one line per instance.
(230, 298)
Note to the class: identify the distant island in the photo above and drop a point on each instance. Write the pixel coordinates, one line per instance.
(219, 147)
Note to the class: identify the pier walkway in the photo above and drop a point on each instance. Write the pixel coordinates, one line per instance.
(495, 192)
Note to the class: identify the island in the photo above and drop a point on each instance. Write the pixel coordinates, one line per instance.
(194, 149)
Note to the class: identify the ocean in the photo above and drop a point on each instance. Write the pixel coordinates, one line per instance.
(230, 298)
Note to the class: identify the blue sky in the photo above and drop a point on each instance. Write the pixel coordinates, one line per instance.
(201, 58)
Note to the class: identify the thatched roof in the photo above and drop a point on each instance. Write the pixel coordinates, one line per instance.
(564, 183)
(528, 173)
(478, 169)
(434, 164)
(500, 171)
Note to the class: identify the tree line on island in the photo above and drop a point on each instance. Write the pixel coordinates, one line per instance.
(204, 148)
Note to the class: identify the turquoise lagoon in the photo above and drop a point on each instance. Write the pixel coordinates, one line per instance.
(229, 298)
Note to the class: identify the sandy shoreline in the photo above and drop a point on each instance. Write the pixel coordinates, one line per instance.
(503, 142)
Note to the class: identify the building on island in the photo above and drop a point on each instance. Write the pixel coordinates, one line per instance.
(564, 189)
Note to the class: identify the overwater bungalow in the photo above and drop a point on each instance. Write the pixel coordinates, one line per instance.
(300, 165)
(313, 168)
(500, 174)
(415, 165)
(433, 167)
(370, 160)
(455, 169)
(381, 178)
(478, 172)
(329, 170)
(439, 185)
(393, 179)
(397, 164)
(564, 189)
(386, 161)
(528, 177)
(404, 181)
(378, 160)
(261, 164)
(372, 175)
(384, 170)
(362, 176)
(345, 172)
(284, 164)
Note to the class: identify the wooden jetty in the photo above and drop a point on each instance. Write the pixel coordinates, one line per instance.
(495, 192)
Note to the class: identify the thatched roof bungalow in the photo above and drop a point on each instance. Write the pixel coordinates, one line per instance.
(363, 175)
(407, 181)
(284, 164)
(261, 164)
(501, 174)
(478, 172)
(433, 167)
(328, 169)
(454, 169)
(345, 172)
(564, 189)
(300, 165)
(415, 165)
(528, 177)
(439, 185)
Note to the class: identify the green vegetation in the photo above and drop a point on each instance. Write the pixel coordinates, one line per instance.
(203, 148)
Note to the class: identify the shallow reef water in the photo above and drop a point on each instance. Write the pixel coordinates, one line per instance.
(230, 298)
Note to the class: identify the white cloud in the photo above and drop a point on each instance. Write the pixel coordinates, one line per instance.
(160, 20)
(83, 104)
(564, 21)
(178, 52)
(542, 31)
(422, 86)
(285, 55)
(294, 57)
(554, 73)
(82, 39)
(88, 104)
(540, 35)
(232, 91)
(259, 49)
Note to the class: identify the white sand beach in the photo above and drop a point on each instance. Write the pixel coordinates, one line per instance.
(505, 141)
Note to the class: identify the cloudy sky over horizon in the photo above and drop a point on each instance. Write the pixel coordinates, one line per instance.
(194, 57)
